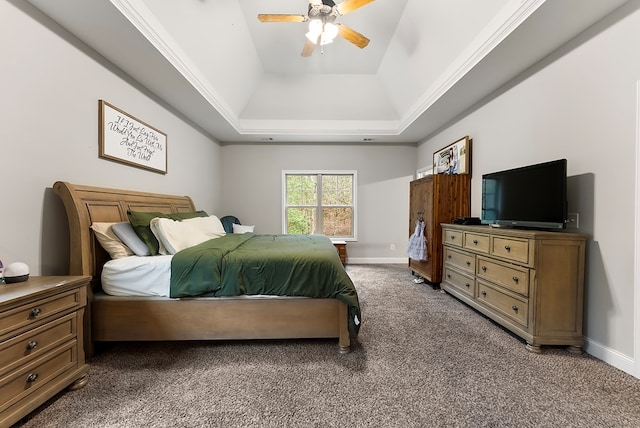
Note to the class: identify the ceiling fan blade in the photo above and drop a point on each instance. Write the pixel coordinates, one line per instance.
(350, 5)
(308, 48)
(281, 18)
(352, 36)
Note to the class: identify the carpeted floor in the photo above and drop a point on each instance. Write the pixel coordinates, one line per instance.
(422, 359)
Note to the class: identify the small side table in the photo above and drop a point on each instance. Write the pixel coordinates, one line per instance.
(41, 342)
(341, 248)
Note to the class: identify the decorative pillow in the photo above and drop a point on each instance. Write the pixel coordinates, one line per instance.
(109, 241)
(128, 236)
(174, 235)
(140, 221)
(240, 228)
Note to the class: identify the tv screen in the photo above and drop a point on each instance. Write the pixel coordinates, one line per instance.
(533, 196)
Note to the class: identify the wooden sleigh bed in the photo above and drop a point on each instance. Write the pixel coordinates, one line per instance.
(115, 318)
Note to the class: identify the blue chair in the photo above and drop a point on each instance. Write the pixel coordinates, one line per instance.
(228, 221)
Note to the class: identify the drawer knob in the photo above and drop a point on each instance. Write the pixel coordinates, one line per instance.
(32, 345)
(515, 308)
(515, 279)
(508, 248)
(484, 268)
(453, 237)
(449, 256)
(448, 276)
(484, 293)
(467, 285)
(35, 312)
(468, 263)
(32, 377)
(475, 242)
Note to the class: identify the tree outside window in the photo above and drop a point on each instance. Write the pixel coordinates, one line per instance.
(320, 203)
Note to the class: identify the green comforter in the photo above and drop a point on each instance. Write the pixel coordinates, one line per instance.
(282, 265)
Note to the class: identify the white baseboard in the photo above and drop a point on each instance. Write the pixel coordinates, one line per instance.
(610, 356)
(378, 260)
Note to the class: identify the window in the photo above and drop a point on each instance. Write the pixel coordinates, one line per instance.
(320, 202)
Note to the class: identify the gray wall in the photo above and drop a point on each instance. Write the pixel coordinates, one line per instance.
(578, 104)
(252, 190)
(50, 86)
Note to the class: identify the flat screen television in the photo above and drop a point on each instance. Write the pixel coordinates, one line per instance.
(533, 196)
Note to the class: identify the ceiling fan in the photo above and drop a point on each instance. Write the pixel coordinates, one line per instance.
(323, 29)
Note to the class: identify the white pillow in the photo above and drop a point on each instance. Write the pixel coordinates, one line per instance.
(175, 235)
(240, 228)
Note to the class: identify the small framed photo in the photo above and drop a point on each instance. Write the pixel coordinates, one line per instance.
(126, 139)
(454, 158)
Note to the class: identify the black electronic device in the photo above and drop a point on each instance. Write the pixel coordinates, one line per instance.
(533, 196)
(467, 220)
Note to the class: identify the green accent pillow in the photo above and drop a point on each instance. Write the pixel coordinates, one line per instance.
(140, 222)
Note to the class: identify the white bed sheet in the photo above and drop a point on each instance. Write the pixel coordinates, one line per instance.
(137, 276)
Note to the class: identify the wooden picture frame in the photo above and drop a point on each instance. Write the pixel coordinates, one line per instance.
(124, 138)
(454, 158)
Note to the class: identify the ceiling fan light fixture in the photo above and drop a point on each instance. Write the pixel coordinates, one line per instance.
(327, 32)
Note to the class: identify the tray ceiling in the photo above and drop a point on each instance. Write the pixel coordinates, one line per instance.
(240, 80)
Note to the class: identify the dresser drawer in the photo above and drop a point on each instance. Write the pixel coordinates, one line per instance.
(461, 260)
(28, 346)
(511, 248)
(31, 377)
(509, 276)
(464, 283)
(31, 313)
(453, 237)
(514, 308)
(477, 242)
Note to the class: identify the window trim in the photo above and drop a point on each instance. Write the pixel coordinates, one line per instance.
(354, 175)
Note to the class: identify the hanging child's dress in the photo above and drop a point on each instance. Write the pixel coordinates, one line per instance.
(417, 248)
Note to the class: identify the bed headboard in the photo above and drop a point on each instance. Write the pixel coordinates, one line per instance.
(86, 205)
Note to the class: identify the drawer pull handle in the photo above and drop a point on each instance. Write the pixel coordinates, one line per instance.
(35, 312)
(32, 377)
(467, 285)
(508, 248)
(468, 263)
(32, 345)
(484, 268)
(475, 242)
(515, 279)
(484, 293)
(515, 308)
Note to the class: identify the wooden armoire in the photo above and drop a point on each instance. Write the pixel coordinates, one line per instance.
(436, 199)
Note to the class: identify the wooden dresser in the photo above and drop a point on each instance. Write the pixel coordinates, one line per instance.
(531, 282)
(41, 342)
(436, 199)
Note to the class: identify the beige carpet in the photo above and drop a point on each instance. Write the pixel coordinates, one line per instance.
(422, 359)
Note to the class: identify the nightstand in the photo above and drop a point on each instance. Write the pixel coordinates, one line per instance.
(341, 247)
(41, 342)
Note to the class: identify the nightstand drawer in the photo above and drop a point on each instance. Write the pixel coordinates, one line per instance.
(508, 276)
(27, 346)
(464, 261)
(31, 313)
(29, 379)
